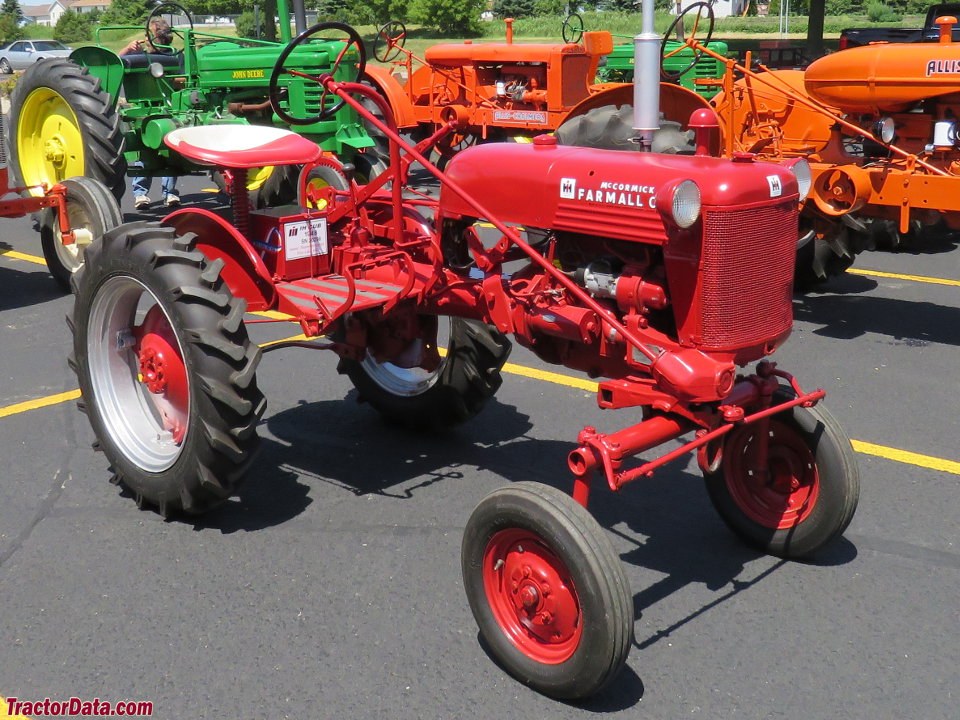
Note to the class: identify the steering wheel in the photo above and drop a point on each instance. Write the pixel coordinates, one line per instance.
(168, 8)
(393, 36)
(352, 40)
(698, 8)
(572, 30)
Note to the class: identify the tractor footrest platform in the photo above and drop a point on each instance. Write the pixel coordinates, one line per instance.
(325, 297)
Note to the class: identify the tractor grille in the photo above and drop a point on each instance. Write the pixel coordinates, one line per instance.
(748, 261)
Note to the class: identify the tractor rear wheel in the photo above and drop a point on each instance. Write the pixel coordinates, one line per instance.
(166, 369)
(822, 256)
(547, 590)
(268, 186)
(610, 127)
(62, 125)
(807, 494)
(451, 394)
(92, 211)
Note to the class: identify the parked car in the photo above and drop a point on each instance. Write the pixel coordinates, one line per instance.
(22, 54)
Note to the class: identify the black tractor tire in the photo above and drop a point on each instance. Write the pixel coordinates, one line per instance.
(547, 590)
(92, 210)
(467, 378)
(819, 259)
(806, 445)
(278, 188)
(51, 90)
(611, 128)
(166, 370)
(377, 157)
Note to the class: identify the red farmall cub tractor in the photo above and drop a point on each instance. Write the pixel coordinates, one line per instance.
(637, 268)
(74, 213)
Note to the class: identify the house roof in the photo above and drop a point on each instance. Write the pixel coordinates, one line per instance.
(89, 3)
(35, 10)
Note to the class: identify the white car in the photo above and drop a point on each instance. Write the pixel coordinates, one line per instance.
(21, 54)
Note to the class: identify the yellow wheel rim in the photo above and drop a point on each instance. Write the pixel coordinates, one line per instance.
(314, 184)
(257, 177)
(49, 141)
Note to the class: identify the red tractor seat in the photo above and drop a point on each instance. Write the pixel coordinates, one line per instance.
(242, 146)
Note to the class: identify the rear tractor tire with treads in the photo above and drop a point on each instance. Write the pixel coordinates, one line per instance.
(62, 125)
(166, 370)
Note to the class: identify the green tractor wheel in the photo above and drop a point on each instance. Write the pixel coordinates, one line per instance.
(64, 125)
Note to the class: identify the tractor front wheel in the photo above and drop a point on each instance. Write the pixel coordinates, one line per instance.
(467, 377)
(166, 369)
(805, 495)
(547, 590)
(63, 125)
(92, 210)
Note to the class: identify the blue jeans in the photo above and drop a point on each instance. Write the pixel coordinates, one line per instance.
(141, 185)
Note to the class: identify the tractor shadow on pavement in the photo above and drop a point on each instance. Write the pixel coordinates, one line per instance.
(844, 312)
(23, 284)
(666, 523)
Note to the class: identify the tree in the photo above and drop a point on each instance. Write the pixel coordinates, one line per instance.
(514, 8)
(10, 30)
(127, 12)
(72, 27)
(12, 7)
(453, 17)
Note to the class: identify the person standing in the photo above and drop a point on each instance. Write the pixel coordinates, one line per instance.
(160, 33)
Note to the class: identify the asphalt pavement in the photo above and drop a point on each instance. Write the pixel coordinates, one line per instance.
(330, 587)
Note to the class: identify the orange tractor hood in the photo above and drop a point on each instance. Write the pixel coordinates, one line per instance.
(884, 78)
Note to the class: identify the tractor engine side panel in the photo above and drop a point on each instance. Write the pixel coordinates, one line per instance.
(729, 276)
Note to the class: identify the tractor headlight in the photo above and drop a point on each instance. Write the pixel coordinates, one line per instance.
(685, 205)
(884, 130)
(801, 170)
(156, 70)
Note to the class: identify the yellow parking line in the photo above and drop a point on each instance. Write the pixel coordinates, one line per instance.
(912, 278)
(13, 254)
(38, 403)
(905, 456)
(865, 448)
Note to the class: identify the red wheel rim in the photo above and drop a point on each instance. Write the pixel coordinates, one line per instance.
(783, 496)
(532, 596)
(162, 372)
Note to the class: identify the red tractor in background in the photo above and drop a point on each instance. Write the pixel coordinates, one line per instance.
(75, 212)
(637, 268)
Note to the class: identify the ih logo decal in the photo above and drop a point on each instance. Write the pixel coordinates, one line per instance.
(776, 188)
(568, 188)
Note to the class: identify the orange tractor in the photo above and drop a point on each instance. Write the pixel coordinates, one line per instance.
(498, 91)
(879, 127)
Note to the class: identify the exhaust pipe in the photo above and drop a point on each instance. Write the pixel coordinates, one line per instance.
(646, 79)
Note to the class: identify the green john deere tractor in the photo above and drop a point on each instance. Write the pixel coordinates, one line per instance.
(105, 115)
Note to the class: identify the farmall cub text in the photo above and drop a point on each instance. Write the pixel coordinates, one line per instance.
(637, 268)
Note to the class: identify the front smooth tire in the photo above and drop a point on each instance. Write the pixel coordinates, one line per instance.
(810, 491)
(92, 210)
(547, 590)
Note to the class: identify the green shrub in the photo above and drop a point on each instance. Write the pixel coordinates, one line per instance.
(73, 27)
(9, 29)
(881, 12)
